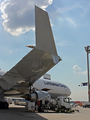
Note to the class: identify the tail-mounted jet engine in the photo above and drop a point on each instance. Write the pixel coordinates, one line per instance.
(37, 95)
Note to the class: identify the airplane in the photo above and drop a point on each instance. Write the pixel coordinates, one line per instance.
(44, 86)
(19, 79)
(54, 88)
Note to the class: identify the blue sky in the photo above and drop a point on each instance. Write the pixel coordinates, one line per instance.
(70, 21)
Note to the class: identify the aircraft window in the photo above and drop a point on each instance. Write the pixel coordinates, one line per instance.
(66, 100)
(59, 99)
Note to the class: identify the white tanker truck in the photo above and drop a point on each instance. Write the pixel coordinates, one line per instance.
(41, 101)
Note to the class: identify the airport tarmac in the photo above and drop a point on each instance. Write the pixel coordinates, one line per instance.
(20, 113)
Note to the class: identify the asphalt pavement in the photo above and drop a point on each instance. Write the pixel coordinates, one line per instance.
(20, 113)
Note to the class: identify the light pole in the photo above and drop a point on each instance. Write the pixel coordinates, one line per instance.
(87, 49)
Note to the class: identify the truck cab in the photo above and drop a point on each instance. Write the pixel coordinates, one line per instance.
(64, 103)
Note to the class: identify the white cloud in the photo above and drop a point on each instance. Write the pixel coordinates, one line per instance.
(18, 15)
(69, 8)
(84, 73)
(77, 69)
(85, 11)
(71, 21)
(6, 50)
(64, 43)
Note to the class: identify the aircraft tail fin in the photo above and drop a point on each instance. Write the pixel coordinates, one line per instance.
(44, 36)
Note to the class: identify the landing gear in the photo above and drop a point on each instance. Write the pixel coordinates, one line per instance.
(4, 105)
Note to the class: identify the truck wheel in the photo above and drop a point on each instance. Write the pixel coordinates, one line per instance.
(5, 105)
(1, 105)
(40, 107)
(63, 110)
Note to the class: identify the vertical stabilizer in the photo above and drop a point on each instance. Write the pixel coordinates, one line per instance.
(44, 36)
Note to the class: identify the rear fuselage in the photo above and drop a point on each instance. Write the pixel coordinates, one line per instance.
(54, 88)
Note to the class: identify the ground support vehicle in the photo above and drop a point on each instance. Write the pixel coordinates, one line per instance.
(86, 104)
(61, 104)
